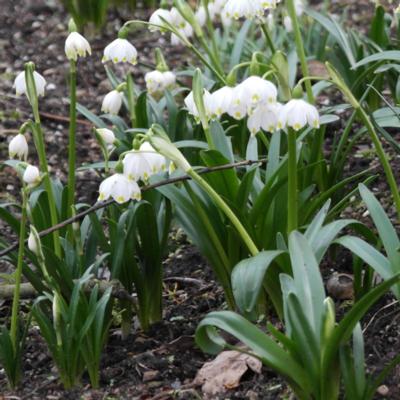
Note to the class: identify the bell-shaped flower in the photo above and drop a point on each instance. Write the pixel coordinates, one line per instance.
(191, 105)
(18, 147)
(255, 90)
(154, 82)
(220, 101)
(243, 9)
(296, 114)
(20, 83)
(265, 117)
(141, 164)
(120, 50)
(169, 79)
(107, 135)
(120, 188)
(158, 18)
(183, 27)
(76, 46)
(31, 176)
(112, 102)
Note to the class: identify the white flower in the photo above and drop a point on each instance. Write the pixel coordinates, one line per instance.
(298, 113)
(287, 23)
(265, 117)
(32, 244)
(243, 8)
(18, 147)
(31, 176)
(201, 15)
(157, 19)
(183, 27)
(220, 101)
(154, 82)
(157, 161)
(249, 94)
(169, 79)
(107, 135)
(299, 6)
(112, 102)
(191, 105)
(120, 50)
(142, 163)
(76, 45)
(120, 188)
(20, 83)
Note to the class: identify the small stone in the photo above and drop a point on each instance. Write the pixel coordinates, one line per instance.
(149, 376)
(383, 390)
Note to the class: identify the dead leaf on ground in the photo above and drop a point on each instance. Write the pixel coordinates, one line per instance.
(225, 372)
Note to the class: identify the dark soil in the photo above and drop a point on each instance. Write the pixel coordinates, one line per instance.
(162, 363)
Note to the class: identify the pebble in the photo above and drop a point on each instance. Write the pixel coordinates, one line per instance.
(383, 390)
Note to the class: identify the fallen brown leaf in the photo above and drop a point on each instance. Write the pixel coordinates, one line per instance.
(225, 372)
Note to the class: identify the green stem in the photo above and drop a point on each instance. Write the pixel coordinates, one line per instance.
(18, 273)
(40, 147)
(292, 182)
(72, 140)
(382, 157)
(300, 49)
(268, 39)
(130, 89)
(226, 210)
(211, 30)
(209, 137)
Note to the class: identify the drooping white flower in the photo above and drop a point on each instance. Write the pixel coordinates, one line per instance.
(249, 94)
(183, 27)
(154, 82)
(220, 101)
(157, 19)
(157, 161)
(169, 79)
(243, 9)
(120, 50)
(18, 147)
(297, 113)
(143, 163)
(201, 15)
(299, 7)
(191, 105)
(20, 83)
(287, 23)
(107, 135)
(76, 45)
(112, 102)
(31, 176)
(265, 117)
(120, 188)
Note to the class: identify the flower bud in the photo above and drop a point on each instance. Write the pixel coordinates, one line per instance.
(112, 102)
(31, 176)
(107, 135)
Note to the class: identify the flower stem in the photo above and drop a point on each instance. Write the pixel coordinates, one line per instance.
(267, 35)
(18, 273)
(226, 210)
(292, 182)
(72, 140)
(130, 90)
(382, 158)
(300, 49)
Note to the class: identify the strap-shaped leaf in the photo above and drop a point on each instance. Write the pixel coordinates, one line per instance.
(247, 279)
(386, 230)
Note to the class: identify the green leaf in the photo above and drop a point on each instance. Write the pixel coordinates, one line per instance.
(247, 279)
(389, 55)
